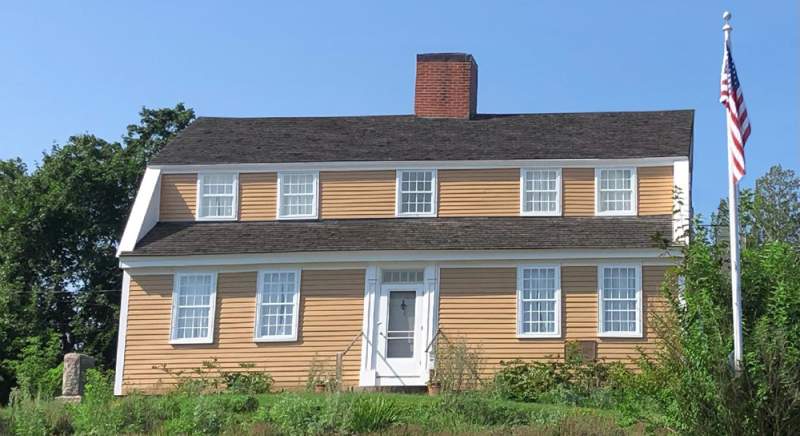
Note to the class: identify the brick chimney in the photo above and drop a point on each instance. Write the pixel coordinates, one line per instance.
(447, 86)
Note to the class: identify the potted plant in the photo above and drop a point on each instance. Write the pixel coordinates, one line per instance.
(320, 387)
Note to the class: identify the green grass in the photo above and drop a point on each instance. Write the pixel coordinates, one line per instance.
(308, 413)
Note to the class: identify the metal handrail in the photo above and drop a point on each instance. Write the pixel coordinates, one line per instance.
(340, 357)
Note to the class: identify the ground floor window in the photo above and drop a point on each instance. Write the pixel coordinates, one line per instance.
(277, 303)
(193, 302)
(620, 300)
(538, 301)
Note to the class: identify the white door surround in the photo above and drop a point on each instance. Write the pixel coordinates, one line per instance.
(393, 351)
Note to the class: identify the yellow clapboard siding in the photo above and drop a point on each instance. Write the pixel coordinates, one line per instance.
(358, 194)
(178, 197)
(490, 327)
(655, 190)
(258, 196)
(578, 186)
(331, 306)
(492, 192)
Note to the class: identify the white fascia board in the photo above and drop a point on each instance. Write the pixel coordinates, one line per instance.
(682, 206)
(239, 260)
(397, 165)
(122, 332)
(144, 213)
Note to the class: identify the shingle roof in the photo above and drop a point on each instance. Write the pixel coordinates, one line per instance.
(203, 238)
(601, 135)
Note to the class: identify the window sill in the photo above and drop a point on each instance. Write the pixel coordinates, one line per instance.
(191, 341)
(616, 213)
(276, 339)
(216, 218)
(622, 335)
(556, 213)
(416, 215)
(298, 217)
(539, 335)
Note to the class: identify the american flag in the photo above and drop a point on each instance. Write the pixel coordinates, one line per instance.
(732, 98)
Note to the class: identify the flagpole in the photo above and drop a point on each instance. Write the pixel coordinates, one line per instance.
(733, 193)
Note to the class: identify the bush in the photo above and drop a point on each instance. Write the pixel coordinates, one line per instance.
(247, 382)
(34, 416)
(476, 409)
(295, 415)
(38, 371)
(457, 364)
(371, 414)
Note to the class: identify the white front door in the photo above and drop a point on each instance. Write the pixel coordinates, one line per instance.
(400, 330)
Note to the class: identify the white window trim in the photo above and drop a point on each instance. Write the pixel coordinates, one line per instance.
(314, 204)
(600, 308)
(295, 307)
(634, 195)
(209, 339)
(434, 194)
(559, 188)
(558, 308)
(199, 191)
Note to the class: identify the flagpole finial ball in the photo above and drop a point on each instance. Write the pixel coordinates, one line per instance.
(726, 15)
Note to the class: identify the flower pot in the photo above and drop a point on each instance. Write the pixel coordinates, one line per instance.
(434, 388)
(319, 388)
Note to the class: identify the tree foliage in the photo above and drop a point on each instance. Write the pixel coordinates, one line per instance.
(694, 380)
(59, 226)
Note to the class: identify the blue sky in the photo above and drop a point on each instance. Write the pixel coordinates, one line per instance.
(75, 67)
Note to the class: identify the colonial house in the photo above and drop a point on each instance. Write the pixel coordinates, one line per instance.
(359, 240)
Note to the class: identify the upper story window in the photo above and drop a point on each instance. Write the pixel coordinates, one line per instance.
(538, 301)
(278, 304)
(297, 195)
(616, 191)
(541, 191)
(416, 193)
(217, 196)
(620, 300)
(193, 303)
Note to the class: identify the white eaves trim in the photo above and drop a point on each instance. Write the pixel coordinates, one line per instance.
(144, 213)
(239, 260)
(122, 332)
(399, 165)
(681, 203)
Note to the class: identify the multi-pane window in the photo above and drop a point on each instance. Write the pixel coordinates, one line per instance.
(193, 302)
(406, 276)
(298, 195)
(538, 301)
(616, 191)
(278, 295)
(416, 193)
(217, 196)
(620, 300)
(540, 191)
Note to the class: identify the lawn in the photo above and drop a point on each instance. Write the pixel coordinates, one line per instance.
(306, 413)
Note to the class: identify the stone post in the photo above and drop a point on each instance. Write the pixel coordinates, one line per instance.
(75, 367)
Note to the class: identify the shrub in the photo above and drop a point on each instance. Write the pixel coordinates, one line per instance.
(34, 416)
(521, 381)
(321, 373)
(38, 371)
(370, 413)
(247, 382)
(294, 415)
(457, 364)
(209, 414)
(476, 409)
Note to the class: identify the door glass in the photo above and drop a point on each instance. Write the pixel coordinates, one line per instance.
(400, 335)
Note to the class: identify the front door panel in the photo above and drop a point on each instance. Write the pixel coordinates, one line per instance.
(399, 331)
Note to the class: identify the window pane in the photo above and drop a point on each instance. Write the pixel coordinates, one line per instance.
(416, 192)
(276, 312)
(619, 299)
(297, 194)
(193, 307)
(538, 300)
(400, 332)
(540, 190)
(217, 196)
(616, 190)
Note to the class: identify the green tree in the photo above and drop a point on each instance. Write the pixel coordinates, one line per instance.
(59, 226)
(700, 392)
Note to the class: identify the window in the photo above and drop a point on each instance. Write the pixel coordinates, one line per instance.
(620, 300)
(278, 301)
(217, 194)
(297, 195)
(541, 191)
(616, 191)
(193, 302)
(403, 276)
(538, 301)
(416, 193)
